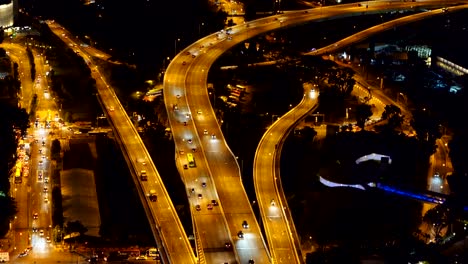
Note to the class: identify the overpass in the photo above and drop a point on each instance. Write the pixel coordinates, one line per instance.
(165, 224)
(194, 120)
(190, 88)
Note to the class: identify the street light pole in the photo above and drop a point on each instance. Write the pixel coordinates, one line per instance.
(175, 46)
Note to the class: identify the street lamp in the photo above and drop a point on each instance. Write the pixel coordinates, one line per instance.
(175, 46)
(404, 98)
(347, 114)
(199, 28)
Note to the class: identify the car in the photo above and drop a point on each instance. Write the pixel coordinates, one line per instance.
(40, 162)
(251, 261)
(190, 141)
(213, 136)
(46, 189)
(192, 190)
(194, 150)
(193, 56)
(187, 116)
(141, 257)
(183, 63)
(203, 184)
(181, 152)
(185, 167)
(34, 229)
(23, 254)
(214, 202)
(41, 232)
(228, 245)
(111, 109)
(46, 199)
(43, 143)
(199, 111)
(240, 234)
(198, 207)
(152, 196)
(48, 240)
(245, 225)
(272, 202)
(43, 157)
(209, 206)
(205, 132)
(200, 196)
(35, 215)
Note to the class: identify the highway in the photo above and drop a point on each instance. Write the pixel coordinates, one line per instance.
(221, 167)
(185, 87)
(166, 226)
(279, 227)
(364, 34)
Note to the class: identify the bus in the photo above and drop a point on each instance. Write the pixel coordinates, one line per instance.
(191, 160)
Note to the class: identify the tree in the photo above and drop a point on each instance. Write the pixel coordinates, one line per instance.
(8, 209)
(392, 113)
(75, 226)
(426, 125)
(363, 113)
(309, 133)
(459, 153)
(55, 149)
(438, 217)
(342, 79)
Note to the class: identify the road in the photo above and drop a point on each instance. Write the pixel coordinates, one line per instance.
(169, 234)
(185, 86)
(364, 34)
(220, 160)
(279, 227)
(33, 194)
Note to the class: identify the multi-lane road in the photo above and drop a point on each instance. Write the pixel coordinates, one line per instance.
(186, 78)
(185, 86)
(163, 219)
(278, 224)
(33, 221)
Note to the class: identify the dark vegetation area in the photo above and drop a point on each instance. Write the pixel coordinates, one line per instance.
(113, 26)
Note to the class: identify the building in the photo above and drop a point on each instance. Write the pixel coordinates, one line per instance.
(7, 13)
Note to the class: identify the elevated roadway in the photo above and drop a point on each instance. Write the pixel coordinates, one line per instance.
(221, 170)
(279, 227)
(185, 87)
(167, 229)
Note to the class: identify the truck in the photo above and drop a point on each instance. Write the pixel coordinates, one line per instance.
(143, 175)
(4, 256)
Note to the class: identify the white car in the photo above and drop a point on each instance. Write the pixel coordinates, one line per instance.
(141, 257)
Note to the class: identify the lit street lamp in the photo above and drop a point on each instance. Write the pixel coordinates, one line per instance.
(175, 46)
